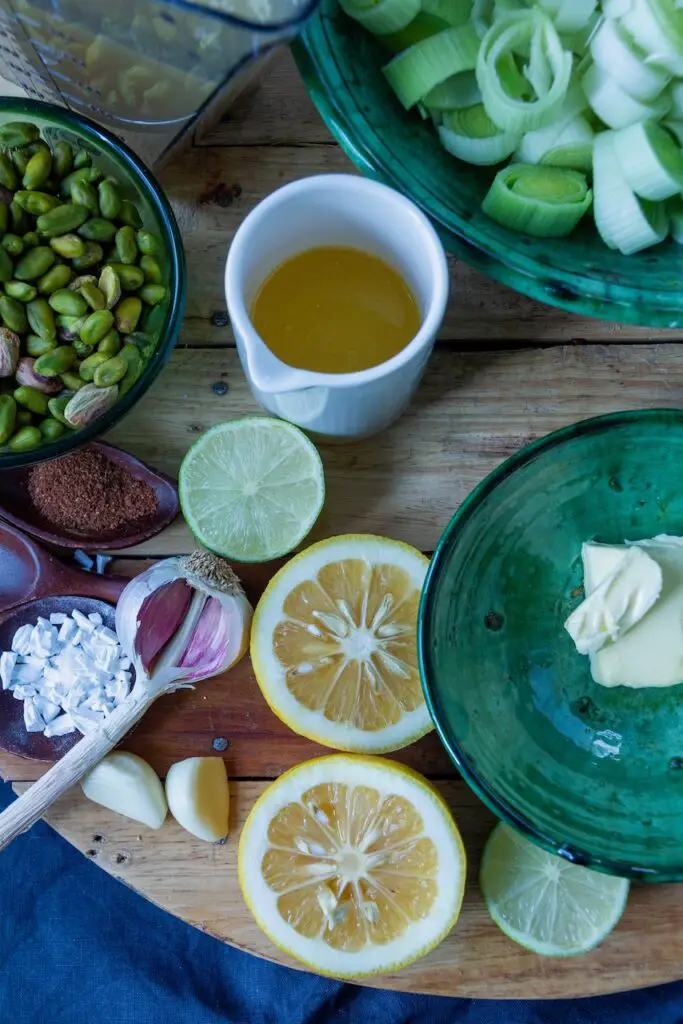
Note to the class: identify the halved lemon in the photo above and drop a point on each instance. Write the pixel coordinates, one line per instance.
(334, 644)
(353, 865)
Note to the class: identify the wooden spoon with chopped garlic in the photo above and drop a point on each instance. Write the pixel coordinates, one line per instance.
(183, 620)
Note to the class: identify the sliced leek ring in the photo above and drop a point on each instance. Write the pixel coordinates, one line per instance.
(676, 129)
(676, 96)
(454, 12)
(413, 73)
(569, 15)
(624, 222)
(535, 145)
(421, 27)
(614, 106)
(650, 161)
(618, 55)
(456, 93)
(472, 136)
(616, 8)
(482, 16)
(573, 147)
(382, 17)
(546, 202)
(657, 27)
(548, 70)
(578, 42)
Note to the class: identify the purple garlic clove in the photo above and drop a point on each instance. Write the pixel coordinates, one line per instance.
(160, 616)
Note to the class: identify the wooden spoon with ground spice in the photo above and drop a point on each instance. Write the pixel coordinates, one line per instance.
(96, 497)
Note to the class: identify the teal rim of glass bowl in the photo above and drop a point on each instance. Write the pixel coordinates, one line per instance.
(326, 59)
(140, 177)
(484, 789)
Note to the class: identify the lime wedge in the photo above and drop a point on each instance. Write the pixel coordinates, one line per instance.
(548, 905)
(251, 489)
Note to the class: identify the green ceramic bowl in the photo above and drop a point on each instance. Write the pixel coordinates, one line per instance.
(137, 182)
(593, 774)
(340, 63)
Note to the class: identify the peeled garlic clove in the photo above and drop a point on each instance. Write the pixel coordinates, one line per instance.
(128, 785)
(199, 797)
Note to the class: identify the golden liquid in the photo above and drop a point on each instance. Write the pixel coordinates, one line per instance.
(335, 310)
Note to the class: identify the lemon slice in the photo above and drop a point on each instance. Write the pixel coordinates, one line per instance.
(251, 489)
(333, 644)
(353, 865)
(544, 902)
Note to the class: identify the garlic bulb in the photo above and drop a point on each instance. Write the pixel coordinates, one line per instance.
(185, 618)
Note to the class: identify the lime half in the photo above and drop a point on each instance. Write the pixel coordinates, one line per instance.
(251, 489)
(552, 907)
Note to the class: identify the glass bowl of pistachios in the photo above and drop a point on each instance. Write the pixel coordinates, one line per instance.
(92, 280)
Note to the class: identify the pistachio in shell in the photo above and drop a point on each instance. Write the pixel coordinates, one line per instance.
(10, 343)
(89, 403)
(27, 376)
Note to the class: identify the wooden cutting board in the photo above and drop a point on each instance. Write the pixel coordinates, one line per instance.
(506, 370)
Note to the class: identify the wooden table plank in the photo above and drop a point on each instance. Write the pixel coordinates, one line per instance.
(275, 111)
(198, 882)
(472, 411)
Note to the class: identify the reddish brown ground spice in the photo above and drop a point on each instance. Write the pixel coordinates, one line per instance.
(88, 493)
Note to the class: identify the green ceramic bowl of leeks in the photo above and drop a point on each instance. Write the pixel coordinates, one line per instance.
(341, 65)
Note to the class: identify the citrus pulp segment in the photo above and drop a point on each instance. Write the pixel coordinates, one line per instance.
(251, 489)
(544, 902)
(352, 864)
(333, 644)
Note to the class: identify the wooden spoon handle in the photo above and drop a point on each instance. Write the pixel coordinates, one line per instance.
(31, 806)
(106, 588)
(76, 584)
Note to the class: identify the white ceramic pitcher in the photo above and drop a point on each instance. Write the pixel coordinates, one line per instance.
(336, 210)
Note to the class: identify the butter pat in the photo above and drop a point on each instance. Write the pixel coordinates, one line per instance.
(618, 602)
(599, 560)
(630, 639)
(650, 654)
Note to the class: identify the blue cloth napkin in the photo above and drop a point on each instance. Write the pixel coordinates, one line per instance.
(77, 947)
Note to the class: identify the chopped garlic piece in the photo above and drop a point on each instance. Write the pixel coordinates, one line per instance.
(21, 642)
(32, 718)
(61, 726)
(8, 660)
